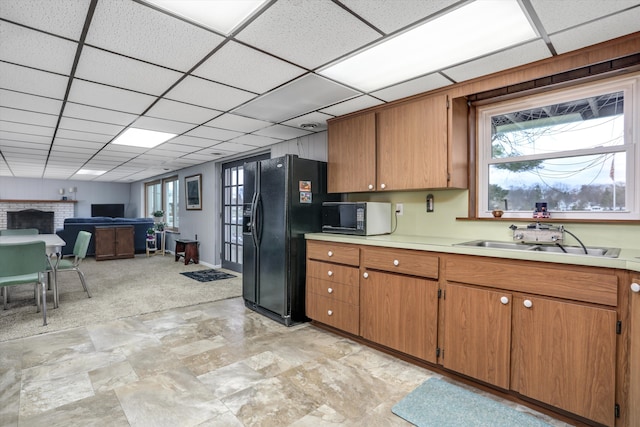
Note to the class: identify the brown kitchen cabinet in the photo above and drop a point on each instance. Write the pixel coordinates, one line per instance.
(477, 333)
(351, 165)
(412, 145)
(114, 242)
(399, 300)
(552, 338)
(332, 286)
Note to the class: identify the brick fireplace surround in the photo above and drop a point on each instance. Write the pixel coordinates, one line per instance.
(62, 209)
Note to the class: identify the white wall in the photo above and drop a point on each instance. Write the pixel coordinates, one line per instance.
(88, 192)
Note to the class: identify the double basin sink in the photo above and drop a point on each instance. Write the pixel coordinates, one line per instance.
(553, 248)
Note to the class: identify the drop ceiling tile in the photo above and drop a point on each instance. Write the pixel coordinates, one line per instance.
(509, 58)
(171, 148)
(559, 15)
(86, 112)
(83, 136)
(282, 132)
(392, 15)
(351, 105)
(192, 141)
(173, 110)
(138, 31)
(27, 102)
(26, 129)
(28, 117)
(596, 32)
(307, 36)
(213, 133)
(116, 70)
(238, 123)
(24, 137)
(34, 49)
(230, 147)
(64, 18)
(97, 95)
(419, 85)
(162, 125)
(5, 144)
(89, 126)
(315, 118)
(197, 91)
(246, 68)
(306, 94)
(255, 140)
(42, 83)
(81, 145)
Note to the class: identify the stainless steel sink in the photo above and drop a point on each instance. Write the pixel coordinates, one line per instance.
(576, 250)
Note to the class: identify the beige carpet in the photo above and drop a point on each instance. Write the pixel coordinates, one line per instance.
(119, 288)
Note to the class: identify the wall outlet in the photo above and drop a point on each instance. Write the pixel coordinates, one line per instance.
(399, 209)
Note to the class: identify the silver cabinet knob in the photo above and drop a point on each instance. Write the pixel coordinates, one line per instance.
(370, 186)
(635, 287)
(396, 262)
(329, 253)
(504, 300)
(330, 313)
(330, 290)
(330, 273)
(365, 274)
(527, 303)
(383, 186)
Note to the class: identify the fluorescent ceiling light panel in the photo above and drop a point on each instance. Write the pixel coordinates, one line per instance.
(220, 15)
(468, 32)
(142, 138)
(90, 172)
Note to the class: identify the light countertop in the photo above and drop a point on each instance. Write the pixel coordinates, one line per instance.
(629, 259)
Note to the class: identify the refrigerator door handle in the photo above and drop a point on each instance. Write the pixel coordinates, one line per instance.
(252, 219)
(258, 220)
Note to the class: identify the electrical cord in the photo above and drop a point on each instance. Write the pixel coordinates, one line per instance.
(579, 241)
(395, 213)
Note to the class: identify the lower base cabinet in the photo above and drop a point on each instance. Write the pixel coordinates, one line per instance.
(400, 312)
(564, 355)
(548, 333)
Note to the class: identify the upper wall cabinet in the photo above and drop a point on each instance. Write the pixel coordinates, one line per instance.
(352, 154)
(413, 145)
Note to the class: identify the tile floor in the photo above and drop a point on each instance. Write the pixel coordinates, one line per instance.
(216, 364)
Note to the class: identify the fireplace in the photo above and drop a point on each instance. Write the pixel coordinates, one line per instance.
(31, 218)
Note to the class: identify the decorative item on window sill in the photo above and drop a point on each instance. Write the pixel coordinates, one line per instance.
(541, 211)
(158, 216)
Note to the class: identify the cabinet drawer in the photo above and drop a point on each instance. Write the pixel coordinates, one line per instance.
(415, 263)
(333, 272)
(334, 313)
(337, 291)
(334, 252)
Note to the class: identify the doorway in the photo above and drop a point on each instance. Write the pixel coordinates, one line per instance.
(232, 203)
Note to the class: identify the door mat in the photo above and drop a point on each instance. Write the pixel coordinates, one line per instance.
(442, 404)
(207, 275)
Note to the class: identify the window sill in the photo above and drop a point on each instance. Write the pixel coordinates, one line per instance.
(556, 220)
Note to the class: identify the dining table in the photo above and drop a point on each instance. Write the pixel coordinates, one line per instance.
(53, 244)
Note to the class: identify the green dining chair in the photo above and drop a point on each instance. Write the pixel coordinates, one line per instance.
(25, 263)
(79, 253)
(19, 232)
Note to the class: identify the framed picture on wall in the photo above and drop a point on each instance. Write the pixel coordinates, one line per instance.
(193, 190)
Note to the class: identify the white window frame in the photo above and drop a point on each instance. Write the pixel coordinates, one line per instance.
(631, 88)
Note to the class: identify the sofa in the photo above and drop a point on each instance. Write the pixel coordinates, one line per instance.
(72, 226)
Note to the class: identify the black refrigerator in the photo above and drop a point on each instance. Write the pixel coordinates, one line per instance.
(283, 199)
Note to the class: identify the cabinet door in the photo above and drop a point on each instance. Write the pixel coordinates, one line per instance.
(412, 145)
(564, 355)
(477, 335)
(124, 242)
(105, 243)
(400, 312)
(351, 149)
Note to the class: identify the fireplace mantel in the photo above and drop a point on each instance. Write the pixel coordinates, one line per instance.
(36, 201)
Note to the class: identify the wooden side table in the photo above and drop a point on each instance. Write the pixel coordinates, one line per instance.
(188, 249)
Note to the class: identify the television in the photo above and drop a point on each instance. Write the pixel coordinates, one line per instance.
(114, 210)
